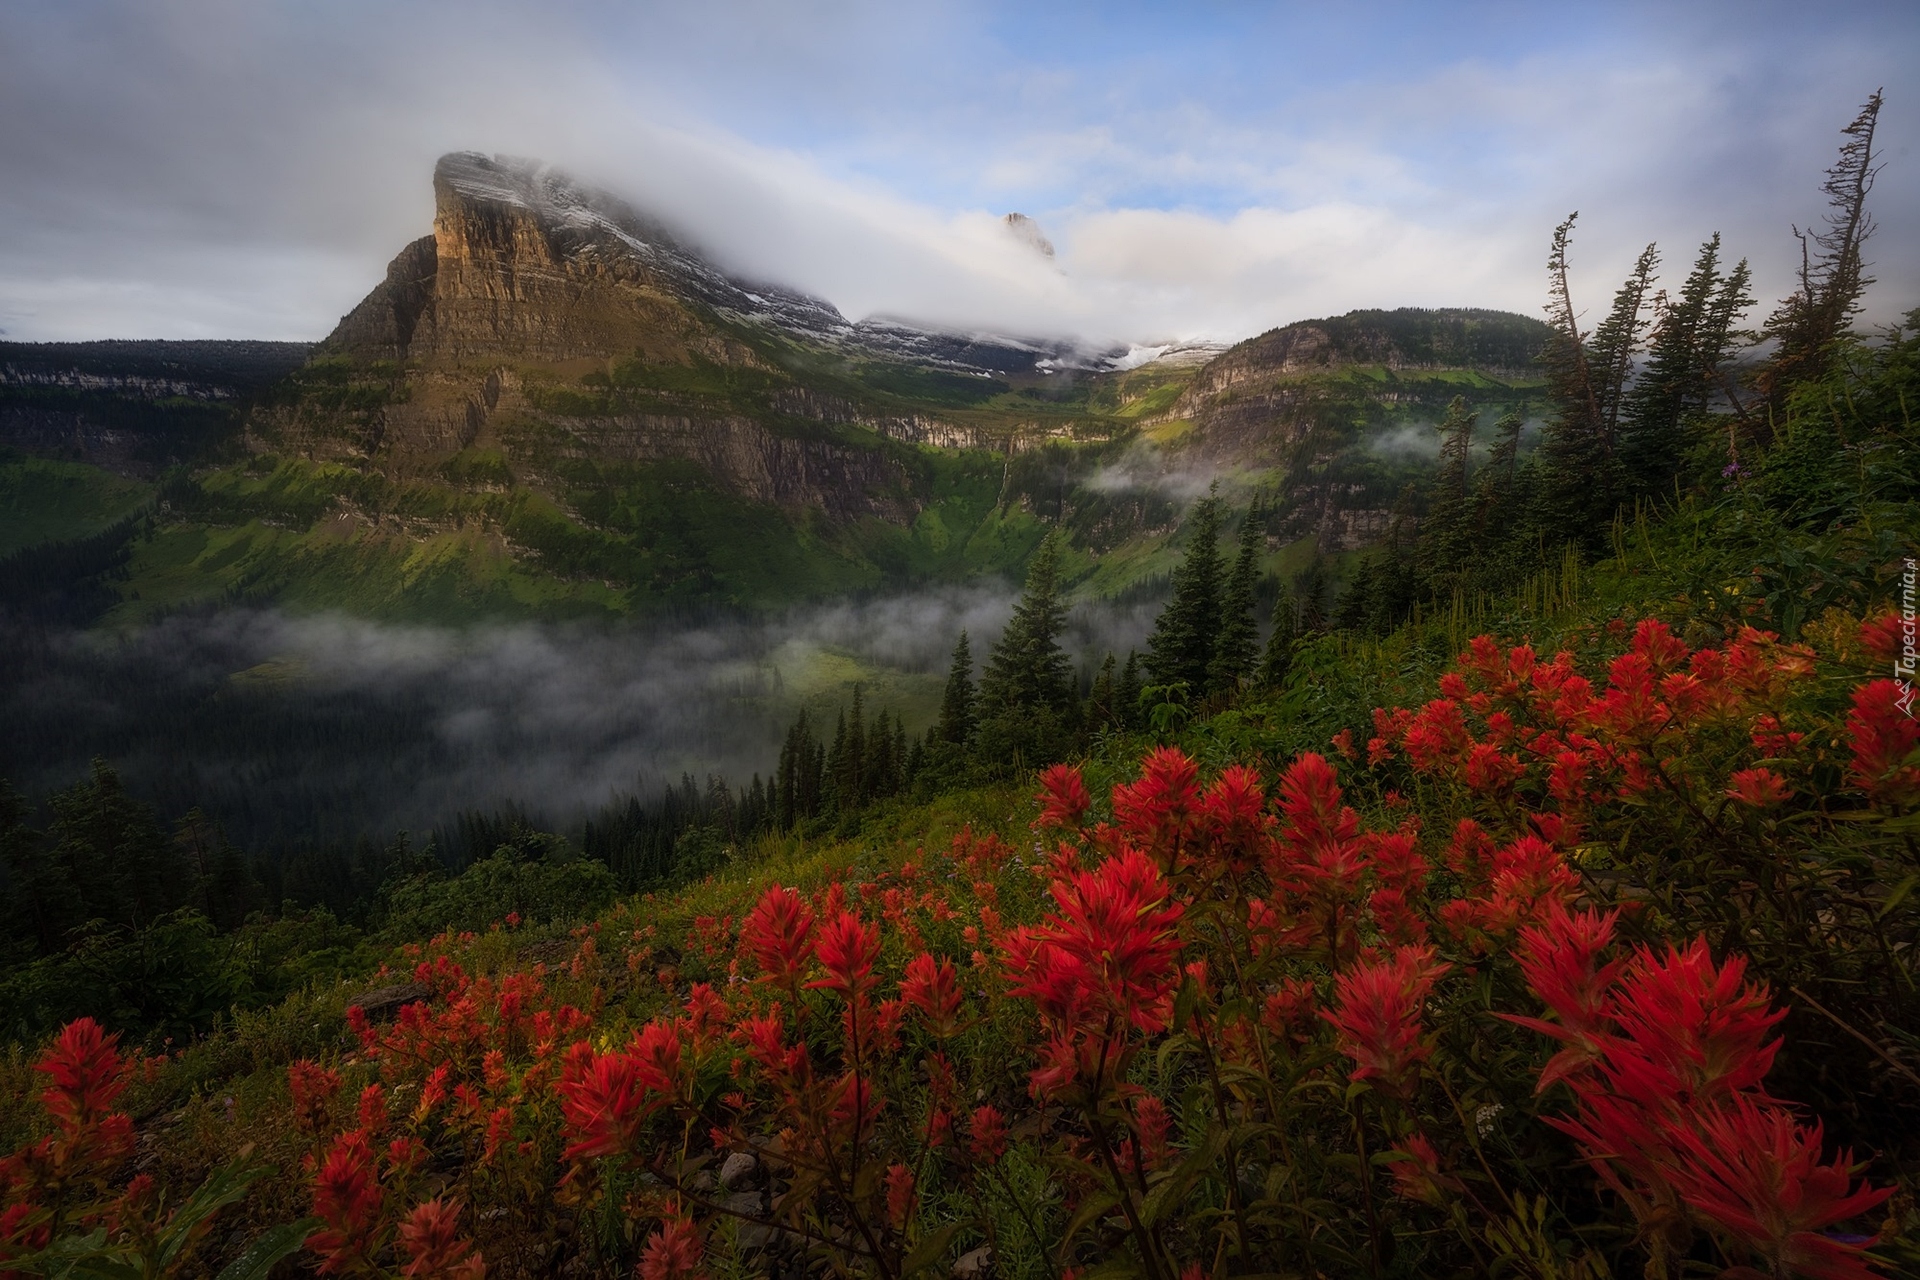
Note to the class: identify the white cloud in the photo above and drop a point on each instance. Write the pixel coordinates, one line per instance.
(204, 167)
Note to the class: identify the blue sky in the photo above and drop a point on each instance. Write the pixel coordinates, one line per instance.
(244, 168)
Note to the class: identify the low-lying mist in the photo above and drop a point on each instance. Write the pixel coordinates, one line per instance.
(293, 730)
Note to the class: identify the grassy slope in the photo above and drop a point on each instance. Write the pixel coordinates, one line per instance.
(229, 1087)
(44, 500)
(520, 526)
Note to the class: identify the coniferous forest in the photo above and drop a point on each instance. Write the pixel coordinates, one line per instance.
(1530, 891)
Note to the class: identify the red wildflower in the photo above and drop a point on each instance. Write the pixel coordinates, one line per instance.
(1322, 835)
(313, 1088)
(1885, 738)
(346, 1197)
(933, 987)
(899, 1195)
(1233, 813)
(85, 1074)
(1693, 1024)
(1560, 958)
(847, 950)
(434, 1248)
(1884, 637)
(1769, 737)
(1417, 1174)
(672, 1252)
(987, 1134)
(1377, 1008)
(609, 1099)
(1489, 771)
(1158, 812)
(1761, 788)
(499, 1131)
(1109, 948)
(1152, 1126)
(1755, 1173)
(1289, 1012)
(1438, 735)
(1063, 797)
(1654, 641)
(372, 1111)
(779, 933)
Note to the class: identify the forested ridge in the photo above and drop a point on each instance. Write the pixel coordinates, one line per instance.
(1530, 894)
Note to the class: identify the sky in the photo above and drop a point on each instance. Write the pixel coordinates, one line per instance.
(1207, 170)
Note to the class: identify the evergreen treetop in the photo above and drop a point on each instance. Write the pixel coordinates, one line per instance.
(1027, 668)
(1182, 645)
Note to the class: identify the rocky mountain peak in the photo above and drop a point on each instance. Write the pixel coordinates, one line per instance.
(1027, 232)
(528, 263)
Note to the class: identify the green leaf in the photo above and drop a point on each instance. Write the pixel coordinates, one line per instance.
(267, 1248)
(223, 1186)
(932, 1247)
(1900, 891)
(1091, 1210)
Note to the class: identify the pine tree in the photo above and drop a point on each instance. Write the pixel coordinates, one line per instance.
(1353, 613)
(1811, 323)
(957, 706)
(45, 901)
(1587, 380)
(1182, 645)
(1278, 659)
(855, 780)
(1615, 343)
(1126, 693)
(1236, 644)
(115, 851)
(1101, 713)
(1027, 669)
(1693, 337)
(1310, 590)
(796, 792)
(1447, 540)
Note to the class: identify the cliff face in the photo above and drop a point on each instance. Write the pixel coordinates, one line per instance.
(524, 263)
(1341, 407)
(1266, 395)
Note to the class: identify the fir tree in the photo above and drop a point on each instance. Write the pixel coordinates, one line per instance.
(1126, 693)
(116, 852)
(1587, 381)
(1278, 659)
(1354, 611)
(45, 901)
(1447, 541)
(1182, 645)
(1310, 590)
(1693, 337)
(957, 706)
(796, 791)
(1026, 668)
(1236, 644)
(1812, 322)
(1101, 712)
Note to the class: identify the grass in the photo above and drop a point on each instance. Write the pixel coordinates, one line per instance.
(46, 500)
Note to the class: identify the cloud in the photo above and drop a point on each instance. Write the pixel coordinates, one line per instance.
(219, 168)
(293, 728)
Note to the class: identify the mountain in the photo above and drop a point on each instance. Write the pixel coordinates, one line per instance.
(1337, 410)
(557, 404)
(525, 262)
(133, 408)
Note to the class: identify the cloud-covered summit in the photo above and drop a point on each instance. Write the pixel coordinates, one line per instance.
(207, 168)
